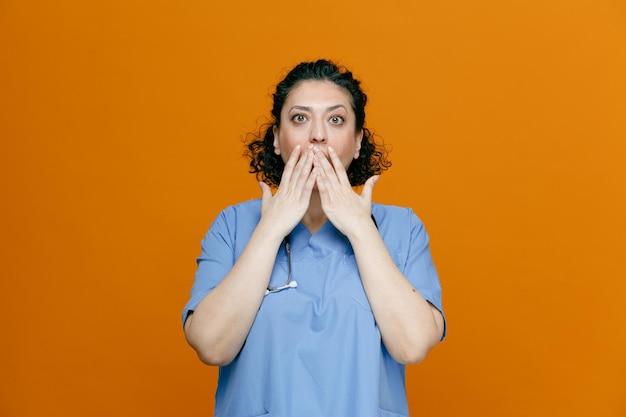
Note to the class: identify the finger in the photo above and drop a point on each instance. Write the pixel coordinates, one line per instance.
(323, 184)
(302, 171)
(321, 181)
(368, 187)
(266, 191)
(338, 167)
(326, 172)
(290, 165)
(307, 188)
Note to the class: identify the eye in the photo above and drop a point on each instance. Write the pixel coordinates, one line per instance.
(298, 118)
(336, 120)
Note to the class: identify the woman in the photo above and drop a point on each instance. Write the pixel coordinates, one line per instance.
(311, 299)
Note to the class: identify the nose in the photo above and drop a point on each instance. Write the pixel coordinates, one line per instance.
(318, 133)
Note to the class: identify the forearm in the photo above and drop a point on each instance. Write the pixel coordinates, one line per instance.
(409, 325)
(220, 323)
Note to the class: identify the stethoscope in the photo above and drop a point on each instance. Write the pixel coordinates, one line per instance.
(289, 283)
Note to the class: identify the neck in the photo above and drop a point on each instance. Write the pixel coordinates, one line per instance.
(314, 218)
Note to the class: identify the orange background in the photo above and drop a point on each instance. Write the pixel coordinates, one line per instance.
(120, 128)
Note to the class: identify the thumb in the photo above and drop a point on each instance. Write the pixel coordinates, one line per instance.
(368, 187)
(266, 191)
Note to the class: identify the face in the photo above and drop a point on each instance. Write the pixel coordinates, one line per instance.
(319, 113)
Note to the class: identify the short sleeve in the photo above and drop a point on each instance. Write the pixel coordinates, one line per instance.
(419, 268)
(216, 258)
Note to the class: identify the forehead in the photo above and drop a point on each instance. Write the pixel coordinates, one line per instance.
(323, 93)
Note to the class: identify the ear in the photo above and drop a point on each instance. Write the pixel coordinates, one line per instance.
(276, 142)
(359, 139)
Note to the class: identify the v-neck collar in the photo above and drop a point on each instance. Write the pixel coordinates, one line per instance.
(326, 239)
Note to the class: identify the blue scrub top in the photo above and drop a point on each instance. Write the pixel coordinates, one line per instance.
(314, 350)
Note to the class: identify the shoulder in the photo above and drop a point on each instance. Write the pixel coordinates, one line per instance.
(399, 227)
(244, 215)
(250, 208)
(395, 215)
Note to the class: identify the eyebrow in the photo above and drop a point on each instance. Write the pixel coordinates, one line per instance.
(309, 109)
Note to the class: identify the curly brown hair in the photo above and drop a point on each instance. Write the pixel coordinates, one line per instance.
(268, 167)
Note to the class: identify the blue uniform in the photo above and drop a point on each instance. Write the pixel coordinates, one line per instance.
(314, 350)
